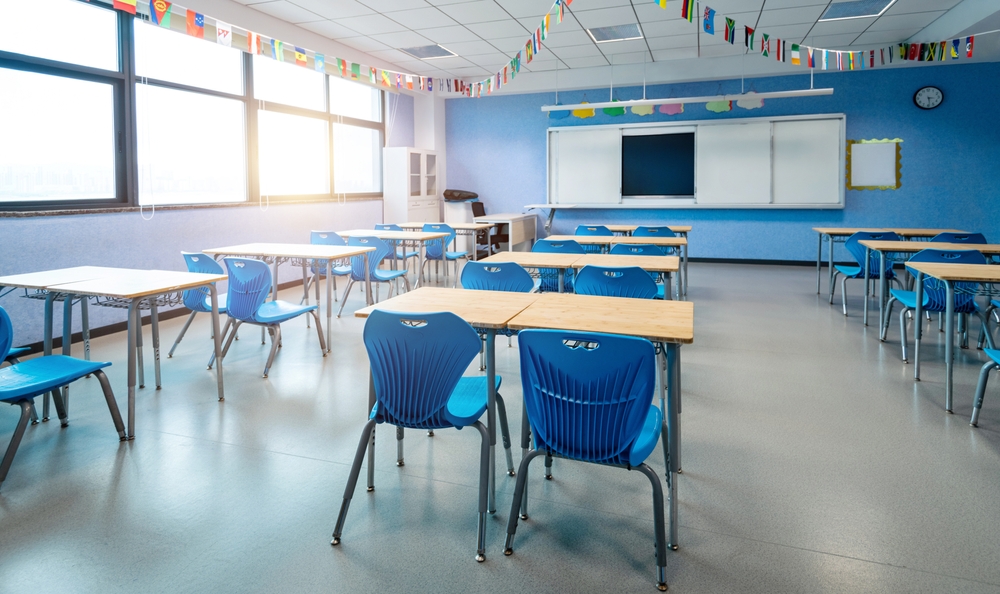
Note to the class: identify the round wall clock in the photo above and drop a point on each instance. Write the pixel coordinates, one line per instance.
(928, 97)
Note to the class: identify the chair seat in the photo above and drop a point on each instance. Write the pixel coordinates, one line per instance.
(381, 275)
(995, 302)
(909, 299)
(17, 352)
(276, 312)
(41, 375)
(468, 401)
(858, 272)
(650, 434)
(448, 256)
(993, 354)
(660, 290)
(402, 254)
(222, 303)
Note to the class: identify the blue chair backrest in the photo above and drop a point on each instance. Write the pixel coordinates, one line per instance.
(435, 249)
(644, 231)
(959, 238)
(547, 246)
(6, 334)
(935, 291)
(416, 361)
(637, 249)
(858, 251)
(586, 394)
(497, 276)
(375, 258)
(249, 286)
(194, 299)
(387, 227)
(599, 230)
(627, 281)
(325, 238)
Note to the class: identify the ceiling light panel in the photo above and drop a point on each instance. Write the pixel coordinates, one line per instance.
(856, 9)
(615, 33)
(427, 52)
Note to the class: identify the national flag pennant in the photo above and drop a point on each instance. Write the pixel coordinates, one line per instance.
(970, 43)
(871, 59)
(931, 54)
(708, 21)
(421, 82)
(954, 48)
(355, 71)
(504, 75)
(529, 54)
(342, 67)
(748, 37)
(765, 45)
(319, 62)
(409, 82)
(890, 54)
(559, 15)
(447, 85)
(159, 12)
(850, 60)
(253, 43)
(943, 51)
(277, 51)
(385, 79)
(399, 81)
(517, 62)
(825, 61)
(124, 5)
(904, 51)
(779, 50)
(430, 83)
(882, 56)
(538, 40)
(223, 34)
(796, 58)
(195, 24)
(840, 61)
(661, 3)
(687, 10)
(372, 75)
(546, 25)
(730, 30)
(300, 56)
(914, 52)
(811, 60)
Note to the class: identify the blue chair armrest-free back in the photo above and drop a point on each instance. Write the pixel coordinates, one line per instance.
(628, 281)
(199, 300)
(858, 272)
(550, 276)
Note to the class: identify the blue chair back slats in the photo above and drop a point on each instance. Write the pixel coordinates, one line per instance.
(935, 293)
(637, 249)
(249, 286)
(550, 276)
(497, 276)
(598, 230)
(387, 227)
(6, 334)
(325, 238)
(194, 299)
(959, 238)
(645, 231)
(858, 251)
(375, 258)
(435, 249)
(416, 361)
(628, 281)
(586, 395)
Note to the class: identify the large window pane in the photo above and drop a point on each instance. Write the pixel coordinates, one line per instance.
(57, 138)
(355, 100)
(289, 84)
(192, 147)
(172, 56)
(357, 159)
(64, 30)
(294, 154)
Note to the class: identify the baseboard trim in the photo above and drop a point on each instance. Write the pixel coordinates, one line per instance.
(765, 262)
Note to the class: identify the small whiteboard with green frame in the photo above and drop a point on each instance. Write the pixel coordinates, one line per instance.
(874, 164)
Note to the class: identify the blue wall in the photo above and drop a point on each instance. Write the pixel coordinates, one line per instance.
(496, 147)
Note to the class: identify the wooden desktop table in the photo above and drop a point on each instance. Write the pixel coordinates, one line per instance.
(469, 229)
(608, 241)
(560, 262)
(679, 230)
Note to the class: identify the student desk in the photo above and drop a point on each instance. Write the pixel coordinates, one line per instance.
(949, 274)
(538, 260)
(283, 252)
(679, 230)
(520, 227)
(469, 229)
(489, 310)
(670, 323)
(416, 239)
(665, 265)
(608, 241)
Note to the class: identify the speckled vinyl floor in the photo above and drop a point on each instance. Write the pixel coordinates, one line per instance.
(812, 463)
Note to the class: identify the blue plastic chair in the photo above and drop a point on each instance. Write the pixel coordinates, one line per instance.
(644, 249)
(249, 286)
(948, 237)
(588, 397)
(625, 281)
(593, 231)
(984, 375)
(199, 300)
(417, 361)
(437, 251)
(317, 269)
(662, 231)
(378, 275)
(858, 272)
(935, 295)
(399, 253)
(21, 383)
(550, 276)
(497, 276)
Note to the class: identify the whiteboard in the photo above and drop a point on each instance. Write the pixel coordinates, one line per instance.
(585, 165)
(807, 163)
(873, 165)
(733, 164)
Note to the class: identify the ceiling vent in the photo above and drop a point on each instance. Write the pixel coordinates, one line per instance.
(856, 9)
(615, 33)
(427, 52)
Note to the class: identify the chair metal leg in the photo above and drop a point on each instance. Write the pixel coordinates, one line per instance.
(484, 489)
(34, 413)
(352, 481)
(843, 294)
(902, 330)
(180, 336)
(15, 440)
(548, 468)
(885, 321)
(319, 331)
(275, 332)
(659, 530)
(519, 497)
(347, 292)
(154, 324)
(109, 397)
(225, 330)
(977, 402)
(963, 330)
(229, 341)
(833, 286)
(505, 433)
(984, 331)
(399, 446)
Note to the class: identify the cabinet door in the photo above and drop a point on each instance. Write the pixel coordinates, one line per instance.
(416, 174)
(430, 173)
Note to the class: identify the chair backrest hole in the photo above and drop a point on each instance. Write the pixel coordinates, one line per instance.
(613, 274)
(239, 264)
(492, 269)
(581, 344)
(413, 323)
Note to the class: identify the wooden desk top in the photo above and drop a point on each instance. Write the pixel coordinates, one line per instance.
(290, 250)
(845, 230)
(921, 232)
(535, 259)
(981, 273)
(612, 239)
(504, 217)
(653, 319)
(455, 226)
(140, 283)
(647, 263)
(47, 278)
(631, 228)
(394, 235)
(917, 246)
(485, 309)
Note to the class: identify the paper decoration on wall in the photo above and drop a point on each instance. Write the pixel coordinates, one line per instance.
(719, 106)
(672, 108)
(584, 113)
(750, 102)
(874, 164)
(642, 110)
(614, 111)
(559, 115)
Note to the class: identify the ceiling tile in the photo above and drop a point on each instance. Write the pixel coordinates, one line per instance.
(650, 12)
(837, 27)
(372, 24)
(448, 34)
(586, 62)
(402, 39)
(475, 12)
(560, 38)
(334, 9)
(790, 16)
(525, 8)
(391, 55)
(622, 47)
(492, 61)
(599, 4)
(511, 45)
(607, 17)
(391, 5)
(577, 51)
(287, 11)
(664, 28)
(905, 21)
(675, 41)
(329, 29)
(498, 29)
(676, 54)
(885, 37)
(364, 43)
(471, 72)
(832, 41)
(471, 48)
(422, 18)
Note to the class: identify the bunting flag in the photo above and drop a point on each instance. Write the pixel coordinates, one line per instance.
(409, 82)
(730, 31)
(319, 63)
(871, 59)
(430, 83)
(748, 37)
(195, 24)
(931, 54)
(124, 5)
(559, 16)
(300, 56)
(372, 76)
(399, 81)
(538, 40)
(277, 52)
(528, 52)
(970, 42)
(904, 51)
(253, 43)
(421, 83)
(547, 24)
(385, 79)
(826, 60)
(765, 45)
(448, 84)
(811, 60)
(662, 3)
(504, 75)
(954, 48)
(882, 54)
(914, 48)
(779, 50)
(708, 21)
(796, 59)
(223, 34)
(355, 71)
(687, 10)
(159, 12)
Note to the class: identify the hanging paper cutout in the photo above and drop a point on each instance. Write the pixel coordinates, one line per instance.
(672, 108)
(642, 110)
(750, 102)
(614, 111)
(584, 113)
(719, 106)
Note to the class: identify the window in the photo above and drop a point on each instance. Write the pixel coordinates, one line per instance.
(294, 154)
(165, 55)
(353, 100)
(58, 138)
(357, 159)
(288, 84)
(191, 147)
(67, 31)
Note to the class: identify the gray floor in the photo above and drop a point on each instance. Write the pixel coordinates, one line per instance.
(812, 463)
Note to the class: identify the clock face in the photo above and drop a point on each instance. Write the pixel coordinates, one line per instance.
(928, 97)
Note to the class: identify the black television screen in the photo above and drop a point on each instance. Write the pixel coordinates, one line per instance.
(658, 165)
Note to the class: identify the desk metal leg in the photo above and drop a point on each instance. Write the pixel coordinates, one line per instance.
(368, 285)
(329, 303)
(829, 261)
(85, 322)
(868, 272)
(154, 322)
(949, 343)
(819, 262)
(67, 344)
(883, 290)
(420, 265)
(491, 406)
(47, 345)
(562, 280)
(133, 314)
(668, 287)
(673, 433)
(918, 324)
(685, 279)
(137, 329)
(217, 336)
